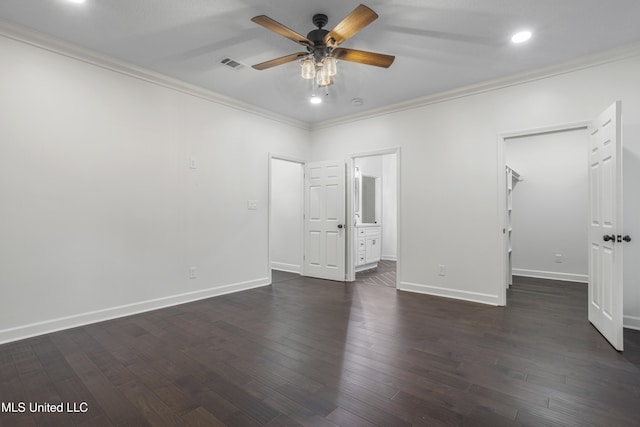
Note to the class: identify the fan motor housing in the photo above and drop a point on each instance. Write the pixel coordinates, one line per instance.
(319, 49)
(317, 36)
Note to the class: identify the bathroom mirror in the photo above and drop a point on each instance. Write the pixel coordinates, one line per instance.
(369, 200)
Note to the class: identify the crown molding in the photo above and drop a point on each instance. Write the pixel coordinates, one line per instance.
(43, 41)
(585, 62)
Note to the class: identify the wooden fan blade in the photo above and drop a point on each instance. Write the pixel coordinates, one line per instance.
(277, 27)
(280, 61)
(363, 57)
(351, 24)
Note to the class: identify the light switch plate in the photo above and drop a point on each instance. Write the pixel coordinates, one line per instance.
(252, 205)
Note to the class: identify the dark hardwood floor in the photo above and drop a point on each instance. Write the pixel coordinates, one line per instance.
(318, 353)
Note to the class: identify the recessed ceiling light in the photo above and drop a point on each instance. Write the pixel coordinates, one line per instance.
(76, 1)
(521, 37)
(357, 102)
(315, 100)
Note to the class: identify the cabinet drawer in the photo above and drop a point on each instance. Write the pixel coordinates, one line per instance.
(361, 241)
(361, 258)
(372, 231)
(361, 231)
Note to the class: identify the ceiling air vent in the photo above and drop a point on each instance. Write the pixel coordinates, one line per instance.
(230, 63)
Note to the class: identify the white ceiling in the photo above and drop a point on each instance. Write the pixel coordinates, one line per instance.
(438, 44)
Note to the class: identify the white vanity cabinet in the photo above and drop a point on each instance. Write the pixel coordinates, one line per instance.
(369, 246)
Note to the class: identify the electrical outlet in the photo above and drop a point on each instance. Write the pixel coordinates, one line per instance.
(193, 274)
(442, 270)
(192, 163)
(558, 258)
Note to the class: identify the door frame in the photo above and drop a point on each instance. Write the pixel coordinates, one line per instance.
(272, 157)
(350, 272)
(502, 193)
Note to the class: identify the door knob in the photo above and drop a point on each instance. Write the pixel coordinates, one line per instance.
(627, 238)
(607, 238)
(340, 226)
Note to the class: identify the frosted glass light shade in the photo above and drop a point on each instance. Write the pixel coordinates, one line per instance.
(331, 65)
(329, 82)
(322, 78)
(308, 69)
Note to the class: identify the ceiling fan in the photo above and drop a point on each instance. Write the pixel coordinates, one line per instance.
(322, 45)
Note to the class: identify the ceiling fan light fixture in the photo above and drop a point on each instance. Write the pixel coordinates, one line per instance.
(322, 78)
(329, 82)
(331, 65)
(521, 37)
(308, 69)
(320, 61)
(315, 100)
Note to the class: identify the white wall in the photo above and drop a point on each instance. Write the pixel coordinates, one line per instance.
(449, 174)
(287, 209)
(370, 165)
(101, 215)
(550, 204)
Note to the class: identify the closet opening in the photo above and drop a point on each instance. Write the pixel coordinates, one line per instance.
(546, 204)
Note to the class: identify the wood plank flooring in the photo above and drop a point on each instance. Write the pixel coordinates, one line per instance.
(383, 275)
(307, 352)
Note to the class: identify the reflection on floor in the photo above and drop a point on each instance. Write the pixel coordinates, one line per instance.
(384, 275)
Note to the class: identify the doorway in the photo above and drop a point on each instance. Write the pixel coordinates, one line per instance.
(373, 210)
(508, 191)
(286, 210)
(549, 205)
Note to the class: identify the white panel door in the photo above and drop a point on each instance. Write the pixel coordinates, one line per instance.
(324, 225)
(605, 225)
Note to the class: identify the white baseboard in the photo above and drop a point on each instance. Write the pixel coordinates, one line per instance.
(281, 266)
(389, 258)
(631, 322)
(449, 293)
(567, 277)
(40, 328)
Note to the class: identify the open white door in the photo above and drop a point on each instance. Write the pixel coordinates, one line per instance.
(324, 224)
(605, 225)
